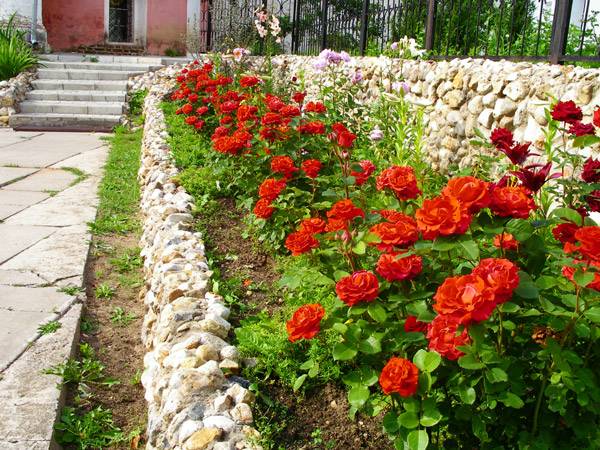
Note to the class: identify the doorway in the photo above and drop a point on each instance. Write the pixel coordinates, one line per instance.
(120, 21)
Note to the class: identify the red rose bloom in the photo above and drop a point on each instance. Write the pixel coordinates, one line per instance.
(290, 111)
(596, 119)
(443, 339)
(271, 119)
(346, 139)
(246, 113)
(316, 107)
(336, 225)
(311, 167)
(593, 200)
(471, 192)
(467, 298)
(390, 215)
(567, 112)
(300, 242)
(400, 233)
(367, 169)
(249, 81)
(187, 108)
(312, 128)
(298, 97)
(345, 210)
(589, 242)
(569, 271)
(501, 275)
(591, 171)
(506, 241)
(582, 129)
(283, 165)
(271, 188)
(442, 216)
(512, 201)
(229, 106)
(395, 267)
(412, 325)
(202, 110)
(400, 180)
(361, 286)
(191, 120)
(502, 138)
(565, 232)
(314, 225)
(305, 323)
(263, 209)
(193, 98)
(399, 376)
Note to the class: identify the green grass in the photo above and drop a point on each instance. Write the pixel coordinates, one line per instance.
(87, 370)
(71, 290)
(121, 318)
(49, 327)
(92, 429)
(128, 261)
(119, 190)
(80, 175)
(104, 291)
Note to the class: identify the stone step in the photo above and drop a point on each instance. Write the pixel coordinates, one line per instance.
(80, 96)
(69, 74)
(78, 57)
(73, 107)
(81, 85)
(115, 66)
(64, 122)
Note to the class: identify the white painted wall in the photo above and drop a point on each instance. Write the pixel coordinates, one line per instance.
(21, 7)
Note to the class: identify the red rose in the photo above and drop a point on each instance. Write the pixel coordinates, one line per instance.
(300, 242)
(305, 323)
(502, 138)
(202, 110)
(311, 167)
(390, 215)
(249, 81)
(193, 98)
(591, 171)
(314, 225)
(226, 120)
(312, 128)
(412, 325)
(263, 209)
(283, 165)
(361, 286)
(187, 108)
(443, 339)
(316, 107)
(298, 97)
(336, 225)
(400, 233)
(199, 124)
(399, 376)
(346, 139)
(246, 112)
(442, 216)
(501, 275)
(582, 129)
(367, 169)
(596, 119)
(229, 106)
(565, 232)
(593, 200)
(589, 242)
(271, 119)
(345, 210)
(467, 298)
(271, 188)
(567, 112)
(471, 192)
(512, 201)
(506, 241)
(400, 180)
(273, 102)
(290, 111)
(191, 120)
(395, 267)
(569, 271)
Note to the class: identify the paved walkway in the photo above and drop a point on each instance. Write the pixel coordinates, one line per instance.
(45, 205)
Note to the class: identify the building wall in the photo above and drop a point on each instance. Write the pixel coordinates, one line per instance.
(21, 7)
(167, 23)
(71, 23)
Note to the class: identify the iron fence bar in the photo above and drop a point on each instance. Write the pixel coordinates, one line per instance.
(430, 27)
(560, 29)
(325, 6)
(364, 27)
(584, 21)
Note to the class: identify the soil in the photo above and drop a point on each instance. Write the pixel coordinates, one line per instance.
(117, 345)
(324, 409)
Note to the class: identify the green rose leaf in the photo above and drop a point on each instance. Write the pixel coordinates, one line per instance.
(341, 352)
(583, 278)
(497, 375)
(299, 381)
(370, 346)
(527, 289)
(358, 396)
(470, 363)
(471, 249)
(511, 400)
(390, 422)
(430, 417)
(443, 244)
(377, 312)
(360, 248)
(409, 419)
(418, 440)
(467, 395)
(427, 361)
(593, 314)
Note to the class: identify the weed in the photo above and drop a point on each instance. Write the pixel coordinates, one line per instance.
(128, 261)
(132, 281)
(136, 378)
(136, 102)
(120, 318)
(319, 442)
(88, 325)
(100, 248)
(80, 175)
(51, 192)
(49, 327)
(93, 429)
(270, 419)
(71, 290)
(104, 291)
(84, 371)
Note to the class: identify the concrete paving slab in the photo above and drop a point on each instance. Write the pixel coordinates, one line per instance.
(17, 330)
(21, 198)
(73, 206)
(11, 174)
(30, 402)
(91, 162)
(20, 278)
(45, 180)
(9, 210)
(17, 238)
(32, 299)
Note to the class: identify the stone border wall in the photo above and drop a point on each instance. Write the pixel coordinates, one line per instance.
(195, 400)
(12, 92)
(461, 95)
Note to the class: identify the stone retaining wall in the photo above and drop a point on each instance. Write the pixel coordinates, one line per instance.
(463, 94)
(12, 92)
(195, 399)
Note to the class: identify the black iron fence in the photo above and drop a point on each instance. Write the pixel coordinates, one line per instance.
(545, 30)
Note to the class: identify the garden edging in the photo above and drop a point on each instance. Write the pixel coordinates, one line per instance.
(12, 92)
(192, 403)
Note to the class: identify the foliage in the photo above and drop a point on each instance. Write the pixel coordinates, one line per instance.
(49, 327)
(93, 429)
(121, 318)
(103, 290)
(459, 303)
(16, 54)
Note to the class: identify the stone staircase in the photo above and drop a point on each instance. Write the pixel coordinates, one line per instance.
(80, 92)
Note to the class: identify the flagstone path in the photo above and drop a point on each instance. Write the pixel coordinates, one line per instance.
(48, 194)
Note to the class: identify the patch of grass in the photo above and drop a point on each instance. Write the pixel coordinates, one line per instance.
(49, 327)
(100, 248)
(104, 291)
(80, 175)
(128, 261)
(271, 420)
(136, 102)
(93, 429)
(88, 325)
(136, 378)
(82, 372)
(51, 192)
(133, 281)
(70, 290)
(121, 318)
(119, 191)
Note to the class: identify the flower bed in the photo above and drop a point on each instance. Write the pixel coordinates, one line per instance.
(446, 305)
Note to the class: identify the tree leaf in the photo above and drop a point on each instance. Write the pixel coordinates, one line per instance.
(418, 440)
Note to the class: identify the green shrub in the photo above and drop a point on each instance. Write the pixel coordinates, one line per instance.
(15, 53)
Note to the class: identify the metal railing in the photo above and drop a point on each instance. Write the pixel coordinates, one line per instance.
(542, 30)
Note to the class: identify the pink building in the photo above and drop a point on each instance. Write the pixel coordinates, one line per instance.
(149, 25)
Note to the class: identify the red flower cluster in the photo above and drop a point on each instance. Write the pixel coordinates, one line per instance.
(395, 267)
(305, 323)
(401, 181)
(504, 142)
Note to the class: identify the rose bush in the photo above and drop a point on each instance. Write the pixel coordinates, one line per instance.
(467, 308)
